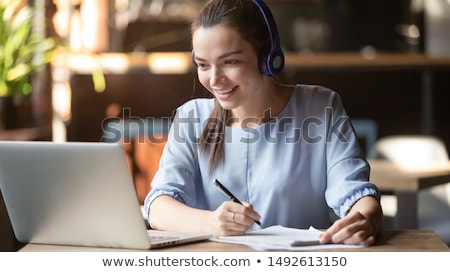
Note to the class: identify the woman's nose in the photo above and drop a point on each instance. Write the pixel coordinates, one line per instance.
(216, 76)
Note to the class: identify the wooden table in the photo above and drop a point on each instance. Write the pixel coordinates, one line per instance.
(406, 185)
(389, 241)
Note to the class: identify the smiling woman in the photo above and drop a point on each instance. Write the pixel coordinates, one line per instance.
(247, 136)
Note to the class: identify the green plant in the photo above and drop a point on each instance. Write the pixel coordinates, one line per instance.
(22, 51)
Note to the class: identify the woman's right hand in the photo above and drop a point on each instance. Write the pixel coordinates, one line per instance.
(232, 218)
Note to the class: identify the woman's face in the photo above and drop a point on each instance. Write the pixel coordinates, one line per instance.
(227, 66)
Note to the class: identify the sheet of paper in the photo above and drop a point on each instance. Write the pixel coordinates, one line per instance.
(281, 238)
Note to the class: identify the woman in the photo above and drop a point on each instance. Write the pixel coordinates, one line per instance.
(288, 153)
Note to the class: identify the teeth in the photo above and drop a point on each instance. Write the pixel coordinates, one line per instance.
(224, 91)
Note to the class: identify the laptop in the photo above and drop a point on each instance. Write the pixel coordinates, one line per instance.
(76, 193)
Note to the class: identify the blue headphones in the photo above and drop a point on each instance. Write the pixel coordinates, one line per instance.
(272, 62)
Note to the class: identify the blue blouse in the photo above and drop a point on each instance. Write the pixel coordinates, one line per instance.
(292, 169)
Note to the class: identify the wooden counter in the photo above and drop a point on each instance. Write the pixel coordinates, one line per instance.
(354, 60)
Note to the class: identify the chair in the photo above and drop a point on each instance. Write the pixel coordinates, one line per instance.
(143, 141)
(416, 152)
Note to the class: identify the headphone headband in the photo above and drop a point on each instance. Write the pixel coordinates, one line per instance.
(273, 62)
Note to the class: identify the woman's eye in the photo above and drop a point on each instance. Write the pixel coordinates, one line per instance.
(232, 61)
(202, 65)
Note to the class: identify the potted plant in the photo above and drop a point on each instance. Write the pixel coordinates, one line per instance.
(23, 53)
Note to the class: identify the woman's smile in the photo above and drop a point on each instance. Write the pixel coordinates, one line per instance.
(224, 92)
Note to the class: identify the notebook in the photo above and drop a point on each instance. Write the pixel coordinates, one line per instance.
(76, 193)
(275, 236)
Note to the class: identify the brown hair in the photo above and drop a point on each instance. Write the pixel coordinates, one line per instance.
(245, 17)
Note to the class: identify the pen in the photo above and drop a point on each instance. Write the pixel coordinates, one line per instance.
(230, 195)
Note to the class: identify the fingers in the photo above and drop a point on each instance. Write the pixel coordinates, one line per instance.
(353, 229)
(234, 218)
(242, 214)
(250, 214)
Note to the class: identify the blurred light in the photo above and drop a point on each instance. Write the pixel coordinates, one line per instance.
(415, 153)
(61, 100)
(121, 5)
(87, 63)
(118, 63)
(416, 6)
(368, 52)
(413, 31)
(156, 7)
(169, 63)
(409, 31)
(434, 8)
(94, 25)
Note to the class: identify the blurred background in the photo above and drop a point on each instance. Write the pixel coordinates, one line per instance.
(126, 59)
(402, 96)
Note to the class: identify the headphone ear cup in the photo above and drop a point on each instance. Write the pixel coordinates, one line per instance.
(272, 63)
(275, 62)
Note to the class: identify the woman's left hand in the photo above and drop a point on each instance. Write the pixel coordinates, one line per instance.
(353, 229)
